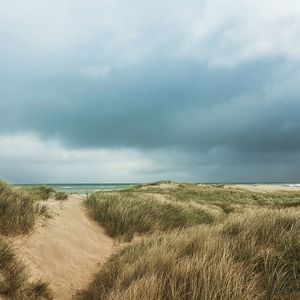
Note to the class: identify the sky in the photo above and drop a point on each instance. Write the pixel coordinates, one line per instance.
(138, 91)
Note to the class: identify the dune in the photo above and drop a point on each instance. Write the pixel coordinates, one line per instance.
(264, 188)
(65, 250)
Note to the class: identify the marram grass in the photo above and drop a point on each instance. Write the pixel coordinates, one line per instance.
(18, 210)
(253, 255)
(126, 215)
(14, 279)
(250, 251)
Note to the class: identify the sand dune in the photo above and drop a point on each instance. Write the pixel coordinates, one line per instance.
(67, 249)
(265, 188)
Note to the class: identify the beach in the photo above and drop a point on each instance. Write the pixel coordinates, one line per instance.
(121, 244)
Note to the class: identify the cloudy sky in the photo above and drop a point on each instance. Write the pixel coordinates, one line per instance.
(134, 91)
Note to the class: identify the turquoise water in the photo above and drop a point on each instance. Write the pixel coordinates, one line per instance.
(83, 188)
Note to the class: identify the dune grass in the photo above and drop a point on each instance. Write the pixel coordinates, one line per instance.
(125, 215)
(253, 255)
(43, 192)
(219, 195)
(14, 279)
(61, 196)
(251, 252)
(18, 210)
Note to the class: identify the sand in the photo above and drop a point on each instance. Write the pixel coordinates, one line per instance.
(265, 188)
(67, 249)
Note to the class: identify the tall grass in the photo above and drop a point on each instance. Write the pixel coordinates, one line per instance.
(126, 215)
(18, 213)
(41, 192)
(61, 196)
(251, 252)
(18, 210)
(216, 194)
(253, 255)
(45, 192)
(14, 279)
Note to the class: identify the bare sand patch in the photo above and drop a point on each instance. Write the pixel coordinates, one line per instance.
(65, 250)
(264, 188)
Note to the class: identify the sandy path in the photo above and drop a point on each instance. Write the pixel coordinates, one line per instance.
(67, 249)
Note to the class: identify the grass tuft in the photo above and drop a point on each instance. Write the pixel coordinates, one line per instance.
(61, 196)
(14, 281)
(18, 210)
(124, 216)
(41, 192)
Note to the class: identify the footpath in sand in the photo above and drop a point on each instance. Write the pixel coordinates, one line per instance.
(66, 249)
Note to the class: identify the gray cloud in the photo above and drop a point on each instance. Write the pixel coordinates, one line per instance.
(216, 88)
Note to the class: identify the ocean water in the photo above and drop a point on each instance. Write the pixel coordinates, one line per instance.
(83, 188)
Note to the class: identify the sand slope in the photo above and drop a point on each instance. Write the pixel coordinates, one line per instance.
(265, 188)
(67, 249)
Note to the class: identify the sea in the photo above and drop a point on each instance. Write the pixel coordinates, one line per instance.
(82, 188)
(87, 188)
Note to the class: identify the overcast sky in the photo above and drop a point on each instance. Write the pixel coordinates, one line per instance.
(134, 91)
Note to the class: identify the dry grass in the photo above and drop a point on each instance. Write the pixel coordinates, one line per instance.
(42, 192)
(18, 213)
(219, 195)
(125, 215)
(252, 252)
(18, 210)
(14, 279)
(254, 255)
(61, 196)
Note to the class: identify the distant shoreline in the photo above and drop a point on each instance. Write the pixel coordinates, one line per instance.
(85, 188)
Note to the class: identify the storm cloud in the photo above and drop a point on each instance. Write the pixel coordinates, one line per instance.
(120, 91)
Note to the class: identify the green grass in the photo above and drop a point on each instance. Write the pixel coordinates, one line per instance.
(253, 255)
(14, 279)
(125, 215)
(18, 210)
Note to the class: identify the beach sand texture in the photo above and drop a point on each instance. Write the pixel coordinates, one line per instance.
(264, 188)
(66, 249)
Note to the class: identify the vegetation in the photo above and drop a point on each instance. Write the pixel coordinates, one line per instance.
(254, 255)
(61, 196)
(215, 194)
(14, 279)
(41, 192)
(125, 215)
(18, 213)
(250, 251)
(18, 210)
